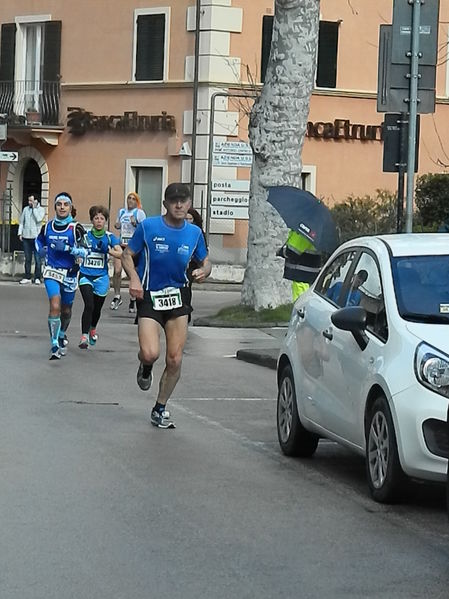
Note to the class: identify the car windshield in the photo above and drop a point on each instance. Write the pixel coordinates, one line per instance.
(421, 285)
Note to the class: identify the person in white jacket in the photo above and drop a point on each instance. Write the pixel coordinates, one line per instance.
(29, 228)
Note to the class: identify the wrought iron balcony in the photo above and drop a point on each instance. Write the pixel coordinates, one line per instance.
(30, 102)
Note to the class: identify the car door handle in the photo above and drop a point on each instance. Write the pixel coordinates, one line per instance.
(328, 334)
(300, 312)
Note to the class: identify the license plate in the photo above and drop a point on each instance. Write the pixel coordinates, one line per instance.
(166, 299)
(57, 274)
(94, 260)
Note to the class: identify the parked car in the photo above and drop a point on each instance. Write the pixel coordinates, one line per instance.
(365, 361)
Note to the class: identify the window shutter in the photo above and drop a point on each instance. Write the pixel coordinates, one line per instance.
(7, 51)
(52, 51)
(267, 33)
(327, 54)
(150, 49)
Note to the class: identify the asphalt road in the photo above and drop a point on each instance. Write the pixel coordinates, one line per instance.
(97, 504)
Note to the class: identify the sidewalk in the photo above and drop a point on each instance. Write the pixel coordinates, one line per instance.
(263, 354)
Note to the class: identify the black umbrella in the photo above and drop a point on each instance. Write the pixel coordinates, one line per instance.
(304, 213)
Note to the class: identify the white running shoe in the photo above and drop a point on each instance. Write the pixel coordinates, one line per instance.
(25, 282)
(37, 281)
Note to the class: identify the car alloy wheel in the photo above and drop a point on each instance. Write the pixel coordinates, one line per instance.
(285, 409)
(294, 439)
(386, 479)
(378, 450)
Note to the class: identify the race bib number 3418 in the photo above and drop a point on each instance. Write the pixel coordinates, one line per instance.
(166, 299)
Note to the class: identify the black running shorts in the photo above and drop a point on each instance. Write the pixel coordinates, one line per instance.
(145, 308)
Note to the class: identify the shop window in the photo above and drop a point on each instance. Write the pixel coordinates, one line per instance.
(150, 46)
(327, 51)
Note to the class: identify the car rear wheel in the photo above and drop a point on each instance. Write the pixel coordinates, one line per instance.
(294, 439)
(386, 479)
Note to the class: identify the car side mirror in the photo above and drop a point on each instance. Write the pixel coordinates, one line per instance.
(352, 319)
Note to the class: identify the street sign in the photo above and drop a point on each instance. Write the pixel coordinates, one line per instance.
(230, 185)
(392, 143)
(9, 156)
(393, 82)
(232, 147)
(229, 212)
(228, 199)
(402, 32)
(232, 160)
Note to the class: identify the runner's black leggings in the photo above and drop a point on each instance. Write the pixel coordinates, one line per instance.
(92, 308)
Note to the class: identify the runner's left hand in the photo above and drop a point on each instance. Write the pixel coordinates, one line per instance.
(198, 275)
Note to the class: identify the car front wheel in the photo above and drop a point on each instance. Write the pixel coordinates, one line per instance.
(294, 439)
(386, 478)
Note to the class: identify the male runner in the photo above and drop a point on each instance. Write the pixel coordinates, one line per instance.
(59, 240)
(127, 220)
(165, 245)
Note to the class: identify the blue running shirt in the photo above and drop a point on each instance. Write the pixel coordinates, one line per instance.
(49, 234)
(96, 262)
(165, 252)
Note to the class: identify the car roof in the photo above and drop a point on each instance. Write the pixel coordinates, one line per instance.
(406, 244)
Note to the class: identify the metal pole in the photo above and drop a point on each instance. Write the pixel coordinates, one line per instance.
(413, 111)
(402, 166)
(195, 98)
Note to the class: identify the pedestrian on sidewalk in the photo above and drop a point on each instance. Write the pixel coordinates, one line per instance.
(94, 277)
(164, 245)
(60, 241)
(29, 227)
(127, 220)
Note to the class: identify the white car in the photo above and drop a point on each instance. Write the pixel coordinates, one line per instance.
(365, 361)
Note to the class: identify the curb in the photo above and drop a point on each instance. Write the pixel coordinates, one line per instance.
(257, 357)
(204, 321)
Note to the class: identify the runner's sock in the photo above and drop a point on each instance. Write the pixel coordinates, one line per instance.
(159, 407)
(54, 326)
(65, 321)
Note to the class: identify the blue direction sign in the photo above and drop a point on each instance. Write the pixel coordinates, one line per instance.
(9, 156)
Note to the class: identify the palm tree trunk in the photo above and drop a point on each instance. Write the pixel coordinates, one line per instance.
(278, 124)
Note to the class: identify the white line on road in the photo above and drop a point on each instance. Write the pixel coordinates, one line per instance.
(223, 399)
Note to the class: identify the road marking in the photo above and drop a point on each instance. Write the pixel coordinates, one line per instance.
(223, 399)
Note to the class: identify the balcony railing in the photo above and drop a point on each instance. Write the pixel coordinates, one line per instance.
(25, 102)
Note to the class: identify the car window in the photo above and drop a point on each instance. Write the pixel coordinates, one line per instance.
(421, 285)
(330, 283)
(365, 290)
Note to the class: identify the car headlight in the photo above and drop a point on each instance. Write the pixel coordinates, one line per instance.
(432, 369)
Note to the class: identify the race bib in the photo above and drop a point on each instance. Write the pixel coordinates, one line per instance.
(57, 274)
(166, 299)
(127, 231)
(125, 240)
(95, 260)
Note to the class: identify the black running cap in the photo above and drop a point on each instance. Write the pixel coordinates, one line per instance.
(177, 190)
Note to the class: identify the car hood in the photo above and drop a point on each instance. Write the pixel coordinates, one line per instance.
(436, 335)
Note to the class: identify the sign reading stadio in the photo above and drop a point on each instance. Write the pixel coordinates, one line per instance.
(344, 129)
(80, 120)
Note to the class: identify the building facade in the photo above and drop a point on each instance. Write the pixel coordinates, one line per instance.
(102, 98)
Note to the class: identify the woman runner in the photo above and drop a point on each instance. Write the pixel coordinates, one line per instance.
(94, 277)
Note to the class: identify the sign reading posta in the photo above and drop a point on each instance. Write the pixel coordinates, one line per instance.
(80, 121)
(344, 129)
